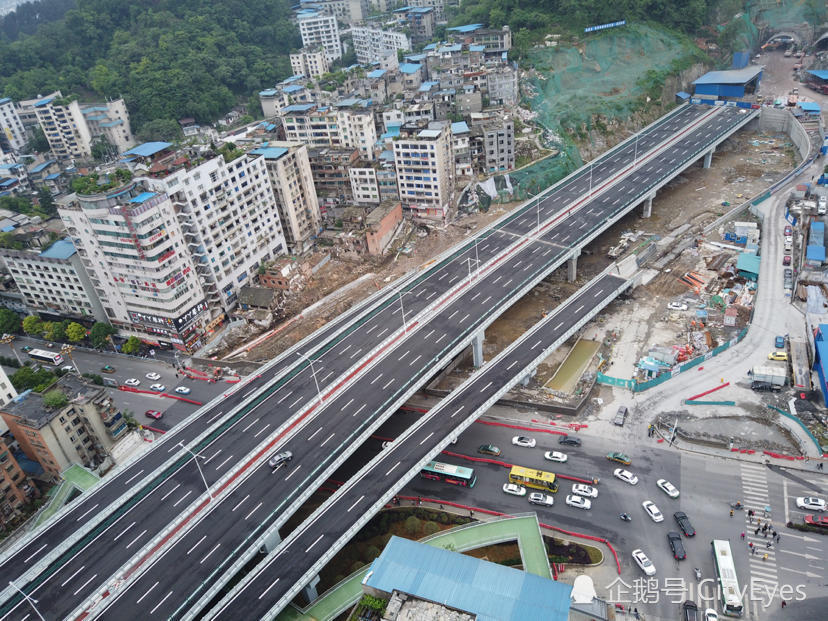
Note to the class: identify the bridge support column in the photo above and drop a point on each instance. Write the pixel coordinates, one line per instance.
(273, 539)
(477, 349)
(647, 206)
(708, 158)
(528, 377)
(309, 591)
(572, 265)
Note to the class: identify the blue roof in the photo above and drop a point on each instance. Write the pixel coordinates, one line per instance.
(61, 249)
(7, 182)
(270, 92)
(53, 176)
(809, 106)
(43, 101)
(114, 123)
(732, 76)
(491, 591)
(683, 95)
(292, 88)
(817, 227)
(298, 107)
(466, 28)
(459, 128)
(420, 9)
(5, 100)
(409, 68)
(142, 197)
(447, 49)
(387, 156)
(41, 166)
(427, 86)
(477, 48)
(376, 73)
(270, 153)
(415, 58)
(293, 78)
(815, 253)
(97, 117)
(430, 46)
(748, 263)
(346, 103)
(14, 165)
(148, 148)
(822, 74)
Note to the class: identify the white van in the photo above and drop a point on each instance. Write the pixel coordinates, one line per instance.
(788, 246)
(822, 206)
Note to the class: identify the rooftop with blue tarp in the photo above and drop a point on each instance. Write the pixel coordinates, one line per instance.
(748, 264)
(477, 48)
(292, 88)
(61, 249)
(114, 123)
(97, 117)
(41, 166)
(486, 589)
(269, 92)
(809, 106)
(427, 86)
(293, 78)
(465, 29)
(4, 183)
(376, 73)
(13, 166)
(299, 107)
(44, 101)
(409, 68)
(448, 49)
(148, 148)
(53, 176)
(143, 197)
(270, 153)
(732, 76)
(430, 46)
(822, 74)
(5, 100)
(459, 128)
(815, 253)
(415, 58)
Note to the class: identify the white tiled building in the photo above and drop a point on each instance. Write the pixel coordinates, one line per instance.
(12, 133)
(374, 44)
(311, 63)
(424, 160)
(319, 29)
(331, 127)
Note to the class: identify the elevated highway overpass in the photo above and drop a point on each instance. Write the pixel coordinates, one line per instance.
(154, 517)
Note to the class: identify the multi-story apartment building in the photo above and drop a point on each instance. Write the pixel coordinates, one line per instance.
(492, 39)
(424, 160)
(438, 6)
(81, 432)
(350, 11)
(16, 490)
(311, 63)
(292, 91)
(110, 120)
(319, 29)
(501, 85)
(133, 248)
(12, 133)
(289, 170)
(372, 184)
(419, 21)
(54, 281)
(349, 124)
(461, 137)
(372, 44)
(329, 168)
(226, 212)
(7, 389)
(14, 178)
(498, 146)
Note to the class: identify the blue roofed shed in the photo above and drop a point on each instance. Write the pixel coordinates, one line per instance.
(809, 107)
(61, 249)
(748, 266)
(731, 83)
(270, 153)
(460, 127)
(465, 29)
(815, 255)
(143, 197)
(148, 149)
(490, 591)
(821, 358)
(376, 73)
(819, 74)
(409, 68)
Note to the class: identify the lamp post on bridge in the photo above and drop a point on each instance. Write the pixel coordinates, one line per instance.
(198, 465)
(313, 373)
(402, 309)
(32, 601)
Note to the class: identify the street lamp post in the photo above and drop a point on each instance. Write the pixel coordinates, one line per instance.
(31, 600)
(402, 309)
(8, 339)
(313, 372)
(67, 350)
(198, 465)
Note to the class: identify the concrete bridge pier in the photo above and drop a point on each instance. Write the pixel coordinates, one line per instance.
(572, 265)
(528, 377)
(270, 543)
(477, 349)
(647, 206)
(708, 158)
(309, 590)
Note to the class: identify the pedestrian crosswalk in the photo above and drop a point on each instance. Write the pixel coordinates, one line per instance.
(763, 570)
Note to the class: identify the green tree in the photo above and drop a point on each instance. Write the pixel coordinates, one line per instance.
(38, 142)
(27, 379)
(430, 527)
(45, 200)
(75, 332)
(100, 333)
(56, 331)
(96, 379)
(55, 399)
(412, 525)
(32, 324)
(9, 322)
(132, 345)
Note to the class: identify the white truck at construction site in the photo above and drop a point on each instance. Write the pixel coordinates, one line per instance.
(769, 377)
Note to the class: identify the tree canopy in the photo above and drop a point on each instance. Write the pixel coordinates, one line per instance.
(168, 58)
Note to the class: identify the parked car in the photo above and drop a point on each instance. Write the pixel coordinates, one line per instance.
(817, 520)
(182, 390)
(569, 440)
(788, 230)
(652, 511)
(626, 476)
(620, 415)
(579, 489)
(679, 306)
(786, 259)
(690, 611)
(711, 615)
(153, 376)
(579, 502)
(514, 489)
(764, 387)
(778, 355)
(27, 348)
(524, 441)
(555, 456)
(154, 414)
(158, 387)
(488, 449)
(812, 503)
(684, 524)
(280, 458)
(107, 368)
(132, 382)
(621, 458)
(677, 547)
(545, 500)
(779, 342)
(643, 562)
(668, 488)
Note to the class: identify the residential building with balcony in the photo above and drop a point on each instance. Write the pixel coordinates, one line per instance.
(64, 126)
(81, 432)
(291, 91)
(349, 11)
(12, 132)
(492, 39)
(349, 124)
(318, 29)
(437, 6)
(329, 170)
(419, 21)
(16, 490)
(373, 44)
(54, 281)
(7, 389)
(109, 120)
(132, 246)
(424, 160)
(311, 63)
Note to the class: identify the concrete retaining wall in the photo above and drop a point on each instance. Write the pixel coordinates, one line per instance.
(781, 120)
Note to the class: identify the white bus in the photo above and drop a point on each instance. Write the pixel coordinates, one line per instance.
(46, 356)
(729, 592)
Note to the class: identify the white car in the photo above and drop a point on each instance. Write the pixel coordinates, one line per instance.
(158, 387)
(153, 376)
(677, 306)
(579, 502)
(182, 390)
(68, 368)
(711, 615)
(643, 562)
(811, 503)
(524, 441)
(652, 511)
(579, 489)
(132, 382)
(668, 488)
(536, 498)
(626, 476)
(514, 489)
(555, 456)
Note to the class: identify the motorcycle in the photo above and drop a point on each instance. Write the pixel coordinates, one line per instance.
(697, 573)
(736, 505)
(625, 517)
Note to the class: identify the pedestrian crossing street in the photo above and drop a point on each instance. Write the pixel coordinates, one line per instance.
(763, 571)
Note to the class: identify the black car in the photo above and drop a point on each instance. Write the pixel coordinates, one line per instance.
(764, 387)
(690, 611)
(569, 441)
(674, 539)
(620, 415)
(684, 523)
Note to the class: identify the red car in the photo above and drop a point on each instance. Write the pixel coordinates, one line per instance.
(788, 231)
(786, 260)
(817, 520)
(154, 414)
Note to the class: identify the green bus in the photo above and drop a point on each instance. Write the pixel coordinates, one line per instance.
(449, 473)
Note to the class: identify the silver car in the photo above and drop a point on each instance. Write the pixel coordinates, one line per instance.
(280, 458)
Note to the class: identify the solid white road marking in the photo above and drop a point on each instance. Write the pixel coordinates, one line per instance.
(197, 543)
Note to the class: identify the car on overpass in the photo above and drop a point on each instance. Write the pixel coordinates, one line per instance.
(555, 456)
(620, 458)
(489, 449)
(280, 458)
(524, 441)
